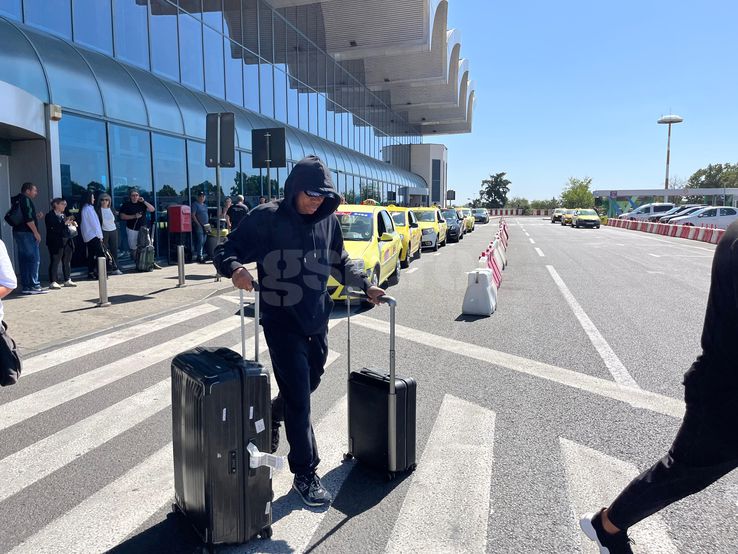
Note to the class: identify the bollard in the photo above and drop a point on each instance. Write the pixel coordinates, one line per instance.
(180, 265)
(102, 282)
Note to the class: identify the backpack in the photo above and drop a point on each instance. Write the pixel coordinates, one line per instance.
(144, 238)
(145, 253)
(14, 216)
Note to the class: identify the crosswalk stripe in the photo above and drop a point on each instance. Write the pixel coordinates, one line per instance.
(447, 506)
(593, 480)
(236, 299)
(33, 404)
(85, 347)
(637, 398)
(108, 516)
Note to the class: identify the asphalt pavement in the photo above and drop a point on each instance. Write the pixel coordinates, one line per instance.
(526, 419)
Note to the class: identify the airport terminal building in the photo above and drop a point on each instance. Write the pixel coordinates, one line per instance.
(111, 94)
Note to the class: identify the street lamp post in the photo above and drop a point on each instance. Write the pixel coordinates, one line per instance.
(668, 120)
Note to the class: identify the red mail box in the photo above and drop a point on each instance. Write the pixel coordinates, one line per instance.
(180, 219)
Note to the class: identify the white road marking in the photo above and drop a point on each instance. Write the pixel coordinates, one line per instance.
(540, 252)
(108, 516)
(437, 254)
(411, 270)
(635, 397)
(593, 480)
(613, 363)
(655, 272)
(33, 404)
(447, 506)
(236, 299)
(532, 241)
(89, 346)
(654, 255)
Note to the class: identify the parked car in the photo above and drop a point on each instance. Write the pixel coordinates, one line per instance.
(372, 243)
(567, 216)
(407, 225)
(585, 218)
(647, 210)
(480, 215)
(674, 211)
(433, 227)
(556, 215)
(715, 216)
(669, 217)
(469, 218)
(455, 225)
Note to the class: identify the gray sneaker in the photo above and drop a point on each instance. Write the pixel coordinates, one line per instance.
(311, 491)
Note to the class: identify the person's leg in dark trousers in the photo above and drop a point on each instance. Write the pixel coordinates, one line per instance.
(67, 260)
(55, 259)
(704, 450)
(94, 251)
(110, 240)
(298, 363)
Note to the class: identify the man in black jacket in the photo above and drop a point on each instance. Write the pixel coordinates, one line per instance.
(706, 445)
(297, 244)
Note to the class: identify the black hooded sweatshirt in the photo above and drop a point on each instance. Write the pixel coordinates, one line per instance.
(715, 373)
(294, 253)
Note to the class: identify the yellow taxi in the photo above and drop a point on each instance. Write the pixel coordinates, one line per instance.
(372, 243)
(432, 226)
(585, 218)
(567, 216)
(468, 219)
(407, 225)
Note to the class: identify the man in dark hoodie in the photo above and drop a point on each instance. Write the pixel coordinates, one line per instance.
(297, 244)
(706, 445)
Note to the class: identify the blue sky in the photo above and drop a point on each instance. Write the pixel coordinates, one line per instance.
(574, 88)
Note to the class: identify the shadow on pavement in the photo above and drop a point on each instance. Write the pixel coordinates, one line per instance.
(117, 299)
(196, 277)
(471, 318)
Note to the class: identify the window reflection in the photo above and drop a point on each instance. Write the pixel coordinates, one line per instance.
(92, 24)
(131, 32)
(11, 8)
(190, 51)
(163, 33)
(55, 17)
(233, 72)
(214, 68)
(170, 182)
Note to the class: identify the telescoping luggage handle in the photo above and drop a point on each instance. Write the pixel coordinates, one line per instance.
(392, 302)
(256, 323)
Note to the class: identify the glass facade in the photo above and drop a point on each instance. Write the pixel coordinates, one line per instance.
(135, 79)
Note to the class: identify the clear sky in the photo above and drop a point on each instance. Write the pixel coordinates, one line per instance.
(574, 88)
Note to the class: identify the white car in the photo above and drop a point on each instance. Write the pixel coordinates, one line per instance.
(647, 210)
(718, 217)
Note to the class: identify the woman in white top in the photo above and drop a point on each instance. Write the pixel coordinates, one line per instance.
(92, 234)
(7, 277)
(108, 216)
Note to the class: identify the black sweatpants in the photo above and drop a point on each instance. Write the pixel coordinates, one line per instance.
(298, 362)
(704, 450)
(94, 251)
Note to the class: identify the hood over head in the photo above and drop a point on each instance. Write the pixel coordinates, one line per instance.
(312, 176)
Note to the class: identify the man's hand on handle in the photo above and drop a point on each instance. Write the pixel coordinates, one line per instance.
(242, 279)
(373, 294)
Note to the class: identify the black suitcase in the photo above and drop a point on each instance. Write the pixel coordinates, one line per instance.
(381, 412)
(221, 406)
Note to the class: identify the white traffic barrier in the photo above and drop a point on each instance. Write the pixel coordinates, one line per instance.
(481, 294)
(499, 257)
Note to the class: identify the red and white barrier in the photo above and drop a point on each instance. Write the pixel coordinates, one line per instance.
(707, 233)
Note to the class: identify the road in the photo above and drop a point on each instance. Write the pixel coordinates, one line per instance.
(526, 419)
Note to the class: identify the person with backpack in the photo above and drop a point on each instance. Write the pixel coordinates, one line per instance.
(297, 244)
(22, 216)
(236, 213)
(60, 242)
(134, 212)
(705, 447)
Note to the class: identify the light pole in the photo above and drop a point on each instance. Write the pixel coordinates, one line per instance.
(668, 120)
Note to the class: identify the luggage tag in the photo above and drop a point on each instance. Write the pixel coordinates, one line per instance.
(262, 459)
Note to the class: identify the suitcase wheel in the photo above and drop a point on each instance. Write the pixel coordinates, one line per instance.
(347, 457)
(412, 468)
(391, 476)
(266, 533)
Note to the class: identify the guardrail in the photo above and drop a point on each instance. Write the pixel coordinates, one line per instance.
(483, 283)
(709, 234)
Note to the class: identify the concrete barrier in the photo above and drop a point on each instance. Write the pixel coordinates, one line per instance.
(706, 233)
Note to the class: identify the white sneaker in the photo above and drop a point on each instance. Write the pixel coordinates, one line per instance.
(69, 283)
(54, 285)
(116, 272)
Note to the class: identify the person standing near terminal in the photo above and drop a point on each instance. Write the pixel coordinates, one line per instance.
(199, 222)
(92, 234)
(706, 445)
(27, 237)
(106, 214)
(60, 243)
(297, 244)
(236, 212)
(133, 211)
